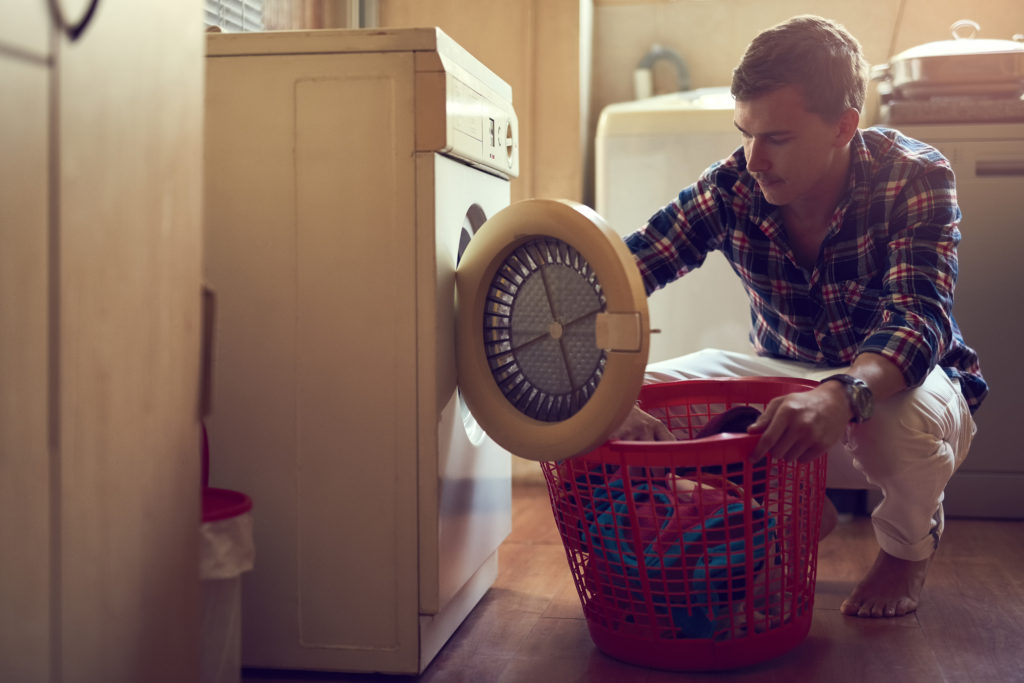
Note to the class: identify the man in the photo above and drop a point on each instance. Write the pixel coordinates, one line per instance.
(845, 240)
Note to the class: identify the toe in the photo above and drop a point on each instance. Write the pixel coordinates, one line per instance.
(870, 609)
(850, 607)
(905, 607)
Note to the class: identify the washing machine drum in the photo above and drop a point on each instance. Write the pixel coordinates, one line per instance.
(553, 330)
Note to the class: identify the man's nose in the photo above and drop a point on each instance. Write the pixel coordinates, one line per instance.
(757, 159)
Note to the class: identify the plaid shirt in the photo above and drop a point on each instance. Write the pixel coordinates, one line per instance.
(885, 274)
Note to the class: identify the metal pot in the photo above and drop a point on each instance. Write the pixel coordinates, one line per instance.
(963, 66)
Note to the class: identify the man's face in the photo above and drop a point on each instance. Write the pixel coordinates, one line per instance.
(791, 152)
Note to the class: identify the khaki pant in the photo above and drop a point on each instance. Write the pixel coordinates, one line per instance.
(909, 448)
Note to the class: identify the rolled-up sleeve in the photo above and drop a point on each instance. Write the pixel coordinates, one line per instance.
(915, 329)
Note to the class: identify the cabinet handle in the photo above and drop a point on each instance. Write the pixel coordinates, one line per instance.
(1002, 167)
(73, 30)
(208, 312)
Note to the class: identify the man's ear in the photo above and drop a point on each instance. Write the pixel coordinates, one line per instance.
(847, 126)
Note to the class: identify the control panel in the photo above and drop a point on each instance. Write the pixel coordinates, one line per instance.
(481, 129)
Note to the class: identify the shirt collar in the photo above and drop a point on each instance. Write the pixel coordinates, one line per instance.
(861, 161)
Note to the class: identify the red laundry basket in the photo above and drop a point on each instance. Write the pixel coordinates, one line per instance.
(686, 555)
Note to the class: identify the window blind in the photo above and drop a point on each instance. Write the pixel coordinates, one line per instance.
(234, 15)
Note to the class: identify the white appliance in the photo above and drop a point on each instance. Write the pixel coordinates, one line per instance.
(343, 171)
(646, 151)
(988, 161)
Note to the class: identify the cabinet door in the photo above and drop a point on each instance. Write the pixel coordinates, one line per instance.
(129, 183)
(24, 457)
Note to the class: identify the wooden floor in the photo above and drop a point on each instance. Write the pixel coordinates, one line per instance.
(530, 629)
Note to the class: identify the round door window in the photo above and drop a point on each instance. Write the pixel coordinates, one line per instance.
(552, 329)
(539, 329)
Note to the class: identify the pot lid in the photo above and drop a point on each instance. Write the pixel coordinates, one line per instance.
(963, 43)
(552, 329)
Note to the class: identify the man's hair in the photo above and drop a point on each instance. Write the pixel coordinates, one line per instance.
(818, 55)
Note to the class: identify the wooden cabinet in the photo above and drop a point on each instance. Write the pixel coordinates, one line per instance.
(24, 371)
(100, 181)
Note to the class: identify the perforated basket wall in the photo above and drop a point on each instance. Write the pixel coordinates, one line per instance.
(686, 555)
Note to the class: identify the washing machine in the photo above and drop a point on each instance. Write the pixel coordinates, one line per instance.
(345, 171)
(387, 330)
(645, 152)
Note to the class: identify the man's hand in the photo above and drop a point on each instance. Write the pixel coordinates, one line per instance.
(803, 425)
(639, 426)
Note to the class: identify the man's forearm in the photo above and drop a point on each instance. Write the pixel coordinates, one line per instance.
(882, 375)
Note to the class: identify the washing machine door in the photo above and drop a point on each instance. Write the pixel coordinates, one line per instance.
(552, 329)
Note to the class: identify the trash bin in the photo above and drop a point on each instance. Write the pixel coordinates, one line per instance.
(686, 555)
(225, 553)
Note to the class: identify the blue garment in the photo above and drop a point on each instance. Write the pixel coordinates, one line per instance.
(714, 570)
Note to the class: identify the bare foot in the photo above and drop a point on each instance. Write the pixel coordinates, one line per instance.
(891, 588)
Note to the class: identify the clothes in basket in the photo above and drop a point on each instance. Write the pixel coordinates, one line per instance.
(678, 540)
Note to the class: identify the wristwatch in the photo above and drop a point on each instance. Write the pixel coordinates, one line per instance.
(862, 403)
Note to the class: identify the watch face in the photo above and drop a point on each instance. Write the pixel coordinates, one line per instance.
(862, 400)
(539, 327)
